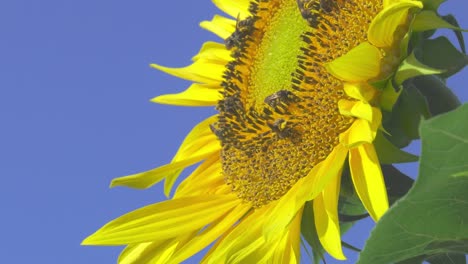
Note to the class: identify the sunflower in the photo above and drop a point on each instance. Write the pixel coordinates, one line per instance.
(294, 86)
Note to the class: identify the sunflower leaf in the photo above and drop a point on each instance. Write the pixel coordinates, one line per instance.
(431, 219)
(429, 20)
(402, 124)
(447, 258)
(412, 67)
(439, 97)
(452, 20)
(439, 53)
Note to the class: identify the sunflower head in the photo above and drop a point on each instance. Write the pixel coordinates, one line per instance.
(300, 87)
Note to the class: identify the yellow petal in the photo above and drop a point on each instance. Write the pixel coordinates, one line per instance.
(387, 3)
(383, 26)
(199, 144)
(278, 250)
(211, 233)
(219, 25)
(234, 8)
(195, 95)
(213, 51)
(147, 179)
(360, 132)
(200, 140)
(201, 71)
(158, 252)
(247, 236)
(163, 220)
(360, 64)
(287, 207)
(368, 180)
(360, 91)
(203, 180)
(357, 109)
(326, 218)
(295, 235)
(142, 252)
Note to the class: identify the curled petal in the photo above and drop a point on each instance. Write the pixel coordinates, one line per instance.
(326, 218)
(234, 8)
(383, 26)
(368, 179)
(195, 95)
(220, 26)
(360, 64)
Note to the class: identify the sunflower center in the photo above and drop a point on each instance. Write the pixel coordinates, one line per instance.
(279, 117)
(277, 55)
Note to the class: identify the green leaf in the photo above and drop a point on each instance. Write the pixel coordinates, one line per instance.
(432, 218)
(412, 67)
(447, 258)
(403, 122)
(452, 20)
(429, 20)
(439, 97)
(440, 54)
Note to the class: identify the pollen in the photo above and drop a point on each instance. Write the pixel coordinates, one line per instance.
(279, 115)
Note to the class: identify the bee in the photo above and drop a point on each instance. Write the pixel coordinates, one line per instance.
(327, 5)
(281, 128)
(308, 9)
(243, 27)
(232, 105)
(233, 40)
(282, 96)
(218, 132)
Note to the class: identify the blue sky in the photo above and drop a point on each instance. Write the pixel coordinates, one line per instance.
(75, 113)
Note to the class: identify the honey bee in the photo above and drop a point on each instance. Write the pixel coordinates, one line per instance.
(282, 96)
(326, 5)
(243, 27)
(281, 128)
(233, 40)
(232, 105)
(308, 9)
(218, 132)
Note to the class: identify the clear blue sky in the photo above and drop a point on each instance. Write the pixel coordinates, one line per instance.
(75, 112)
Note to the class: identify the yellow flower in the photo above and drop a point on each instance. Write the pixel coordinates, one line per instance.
(293, 86)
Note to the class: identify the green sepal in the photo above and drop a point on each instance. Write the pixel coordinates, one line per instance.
(349, 203)
(402, 123)
(461, 40)
(412, 67)
(430, 220)
(389, 95)
(432, 4)
(309, 233)
(439, 53)
(429, 20)
(439, 97)
(389, 153)
(381, 84)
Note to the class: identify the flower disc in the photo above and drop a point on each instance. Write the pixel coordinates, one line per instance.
(279, 117)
